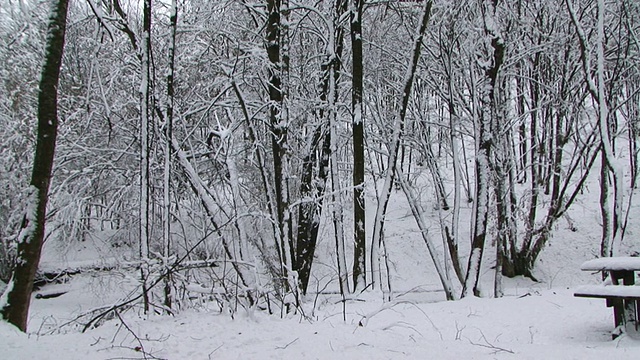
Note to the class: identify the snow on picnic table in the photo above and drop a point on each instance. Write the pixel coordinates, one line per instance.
(550, 324)
(621, 263)
(626, 291)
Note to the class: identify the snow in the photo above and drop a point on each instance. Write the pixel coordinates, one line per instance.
(612, 263)
(4, 290)
(31, 215)
(549, 324)
(608, 291)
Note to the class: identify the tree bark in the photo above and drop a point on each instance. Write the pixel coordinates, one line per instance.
(485, 129)
(359, 219)
(168, 131)
(14, 303)
(279, 127)
(145, 151)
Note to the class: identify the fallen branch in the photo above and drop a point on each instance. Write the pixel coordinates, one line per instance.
(489, 345)
(286, 346)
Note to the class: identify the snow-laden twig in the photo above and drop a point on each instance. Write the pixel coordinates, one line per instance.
(402, 324)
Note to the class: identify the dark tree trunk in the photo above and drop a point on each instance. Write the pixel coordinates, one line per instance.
(168, 130)
(30, 239)
(146, 113)
(359, 253)
(309, 212)
(279, 135)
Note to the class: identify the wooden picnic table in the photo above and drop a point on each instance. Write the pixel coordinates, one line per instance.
(619, 289)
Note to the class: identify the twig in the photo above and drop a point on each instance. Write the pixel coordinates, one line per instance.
(402, 324)
(286, 346)
(140, 347)
(97, 341)
(214, 350)
(489, 345)
(390, 305)
(174, 267)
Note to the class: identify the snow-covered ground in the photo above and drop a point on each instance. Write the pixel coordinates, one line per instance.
(538, 324)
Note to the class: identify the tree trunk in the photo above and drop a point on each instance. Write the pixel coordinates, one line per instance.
(338, 44)
(485, 130)
(378, 229)
(310, 210)
(145, 151)
(14, 303)
(612, 213)
(168, 131)
(359, 220)
(417, 212)
(337, 205)
(279, 139)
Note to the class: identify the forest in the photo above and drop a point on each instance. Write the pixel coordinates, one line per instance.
(263, 155)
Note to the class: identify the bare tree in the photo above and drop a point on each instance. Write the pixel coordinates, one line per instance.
(315, 164)
(398, 129)
(279, 129)
(357, 113)
(493, 49)
(612, 212)
(146, 119)
(168, 132)
(14, 303)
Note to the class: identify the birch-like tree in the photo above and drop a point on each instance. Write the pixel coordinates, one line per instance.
(493, 51)
(599, 87)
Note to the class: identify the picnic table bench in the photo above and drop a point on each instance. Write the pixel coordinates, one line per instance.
(619, 289)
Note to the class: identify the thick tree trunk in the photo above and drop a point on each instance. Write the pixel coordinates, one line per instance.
(310, 210)
(14, 303)
(279, 139)
(506, 218)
